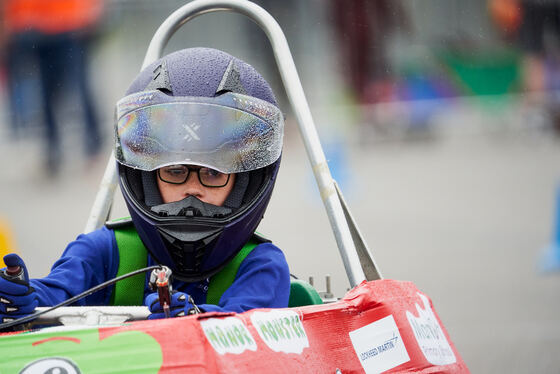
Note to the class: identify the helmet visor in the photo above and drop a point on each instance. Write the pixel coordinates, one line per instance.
(231, 133)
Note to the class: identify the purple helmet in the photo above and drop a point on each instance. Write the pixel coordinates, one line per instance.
(203, 107)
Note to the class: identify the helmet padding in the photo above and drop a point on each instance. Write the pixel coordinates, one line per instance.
(152, 196)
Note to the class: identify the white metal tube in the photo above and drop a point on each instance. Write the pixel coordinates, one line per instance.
(104, 198)
(292, 83)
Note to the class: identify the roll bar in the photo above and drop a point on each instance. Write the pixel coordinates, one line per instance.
(356, 257)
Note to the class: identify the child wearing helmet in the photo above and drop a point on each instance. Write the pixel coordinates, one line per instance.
(198, 139)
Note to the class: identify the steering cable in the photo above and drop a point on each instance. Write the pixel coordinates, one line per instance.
(73, 299)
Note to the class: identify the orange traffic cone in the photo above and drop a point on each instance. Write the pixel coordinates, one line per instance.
(7, 244)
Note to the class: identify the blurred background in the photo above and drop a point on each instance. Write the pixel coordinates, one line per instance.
(440, 120)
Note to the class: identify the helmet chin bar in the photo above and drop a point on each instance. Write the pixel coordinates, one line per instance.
(187, 248)
(187, 241)
(190, 207)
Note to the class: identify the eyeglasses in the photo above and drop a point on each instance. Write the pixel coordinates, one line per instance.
(178, 174)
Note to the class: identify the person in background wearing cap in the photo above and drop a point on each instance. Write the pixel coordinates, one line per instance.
(198, 147)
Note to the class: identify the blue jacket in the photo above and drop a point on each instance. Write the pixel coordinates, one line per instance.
(263, 279)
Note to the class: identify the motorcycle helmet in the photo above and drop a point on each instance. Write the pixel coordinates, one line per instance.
(203, 107)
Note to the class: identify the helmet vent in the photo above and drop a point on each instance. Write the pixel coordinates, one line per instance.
(190, 207)
(188, 256)
(160, 79)
(231, 81)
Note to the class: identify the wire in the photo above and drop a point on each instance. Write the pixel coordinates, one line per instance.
(195, 307)
(73, 299)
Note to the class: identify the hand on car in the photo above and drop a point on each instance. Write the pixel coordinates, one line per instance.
(180, 305)
(17, 298)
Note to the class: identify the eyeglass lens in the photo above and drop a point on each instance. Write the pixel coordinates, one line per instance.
(178, 174)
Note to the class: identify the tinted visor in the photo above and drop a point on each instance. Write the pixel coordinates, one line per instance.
(231, 133)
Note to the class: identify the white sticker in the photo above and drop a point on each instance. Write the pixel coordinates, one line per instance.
(228, 335)
(281, 330)
(379, 345)
(429, 335)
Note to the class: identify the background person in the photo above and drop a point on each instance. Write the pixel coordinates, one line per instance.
(52, 37)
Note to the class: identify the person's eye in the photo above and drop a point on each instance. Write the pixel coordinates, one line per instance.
(175, 171)
(212, 172)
